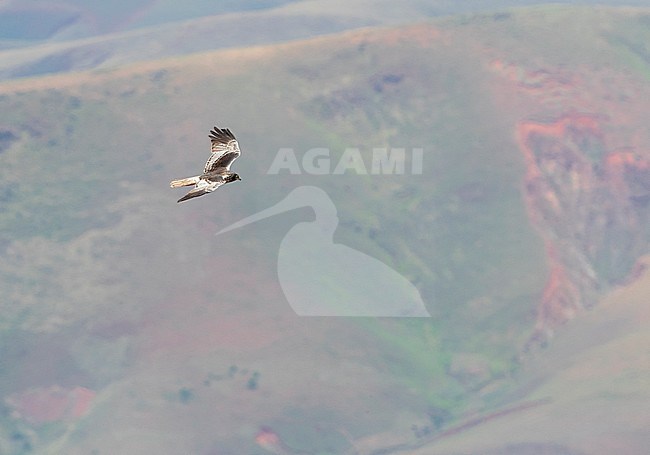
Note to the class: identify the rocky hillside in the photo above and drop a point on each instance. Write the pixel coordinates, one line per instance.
(588, 168)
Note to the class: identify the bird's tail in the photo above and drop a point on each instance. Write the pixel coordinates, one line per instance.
(184, 182)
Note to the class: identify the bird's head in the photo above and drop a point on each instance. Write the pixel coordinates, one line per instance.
(232, 177)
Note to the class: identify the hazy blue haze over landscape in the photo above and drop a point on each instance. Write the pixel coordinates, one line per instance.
(439, 244)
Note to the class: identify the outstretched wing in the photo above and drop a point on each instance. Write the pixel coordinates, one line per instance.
(203, 187)
(225, 149)
(194, 193)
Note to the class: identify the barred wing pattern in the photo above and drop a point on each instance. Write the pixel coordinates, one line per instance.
(225, 150)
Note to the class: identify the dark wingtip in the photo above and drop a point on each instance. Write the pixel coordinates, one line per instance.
(221, 134)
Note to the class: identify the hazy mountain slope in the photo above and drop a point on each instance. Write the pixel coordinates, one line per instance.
(127, 325)
(38, 20)
(592, 383)
(196, 35)
(32, 20)
(43, 37)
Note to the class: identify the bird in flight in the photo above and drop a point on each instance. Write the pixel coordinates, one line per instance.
(225, 150)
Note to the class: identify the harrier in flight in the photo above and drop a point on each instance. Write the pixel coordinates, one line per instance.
(225, 150)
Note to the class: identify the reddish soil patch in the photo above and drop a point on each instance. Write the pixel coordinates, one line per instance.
(42, 405)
